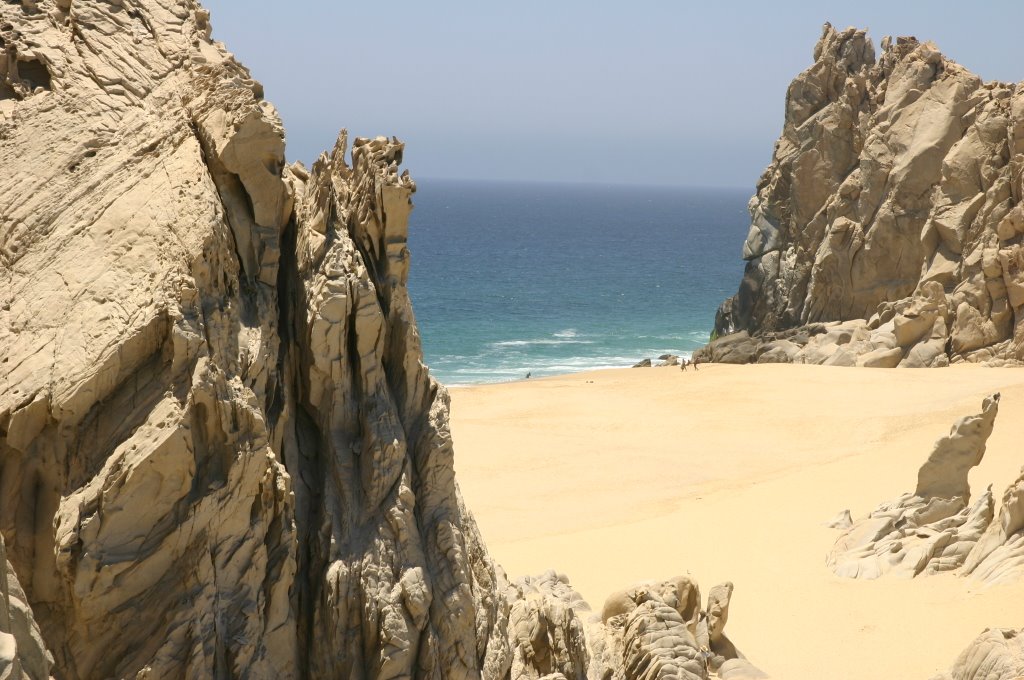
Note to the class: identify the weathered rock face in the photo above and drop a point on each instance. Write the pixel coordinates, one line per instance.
(372, 452)
(648, 631)
(894, 197)
(936, 528)
(220, 452)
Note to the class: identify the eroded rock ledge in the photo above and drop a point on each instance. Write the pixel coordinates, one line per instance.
(888, 228)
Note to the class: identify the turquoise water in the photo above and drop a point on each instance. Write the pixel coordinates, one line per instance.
(511, 278)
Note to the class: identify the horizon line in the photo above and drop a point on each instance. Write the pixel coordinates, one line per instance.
(580, 182)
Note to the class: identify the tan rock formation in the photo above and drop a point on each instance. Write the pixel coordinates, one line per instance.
(893, 197)
(934, 528)
(220, 452)
(996, 654)
(647, 631)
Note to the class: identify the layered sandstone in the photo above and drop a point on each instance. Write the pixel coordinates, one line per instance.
(887, 230)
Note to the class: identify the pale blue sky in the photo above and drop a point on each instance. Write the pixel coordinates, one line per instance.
(674, 93)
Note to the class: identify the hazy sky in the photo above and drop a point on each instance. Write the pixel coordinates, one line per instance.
(678, 93)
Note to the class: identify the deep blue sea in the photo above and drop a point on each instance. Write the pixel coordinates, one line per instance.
(510, 278)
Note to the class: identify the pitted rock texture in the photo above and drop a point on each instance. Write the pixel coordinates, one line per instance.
(220, 452)
(996, 654)
(935, 528)
(893, 198)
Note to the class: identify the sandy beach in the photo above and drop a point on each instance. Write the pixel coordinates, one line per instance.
(730, 473)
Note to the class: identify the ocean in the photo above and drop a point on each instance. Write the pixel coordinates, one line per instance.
(511, 278)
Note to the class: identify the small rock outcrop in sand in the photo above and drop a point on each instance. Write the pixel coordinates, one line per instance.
(651, 631)
(888, 229)
(649, 628)
(996, 654)
(934, 528)
(658, 630)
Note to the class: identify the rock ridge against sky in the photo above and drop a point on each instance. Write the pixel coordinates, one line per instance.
(892, 204)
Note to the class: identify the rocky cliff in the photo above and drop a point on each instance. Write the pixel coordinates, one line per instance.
(893, 204)
(220, 452)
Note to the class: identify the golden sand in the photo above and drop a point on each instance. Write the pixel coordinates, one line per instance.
(729, 473)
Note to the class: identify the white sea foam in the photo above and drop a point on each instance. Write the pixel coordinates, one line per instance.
(540, 341)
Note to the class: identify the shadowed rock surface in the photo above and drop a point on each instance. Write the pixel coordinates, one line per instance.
(890, 217)
(547, 629)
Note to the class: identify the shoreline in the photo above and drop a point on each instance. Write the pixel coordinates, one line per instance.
(598, 369)
(622, 475)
